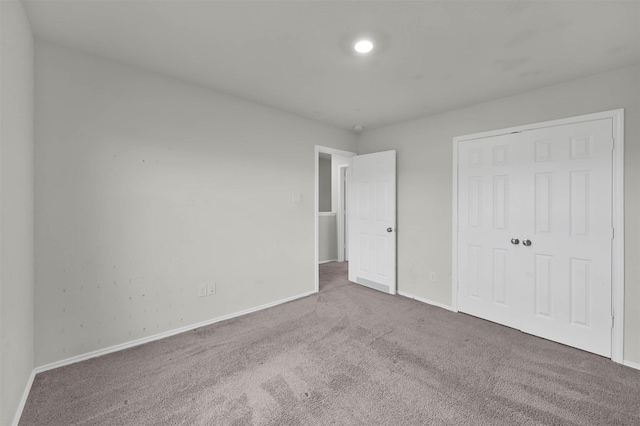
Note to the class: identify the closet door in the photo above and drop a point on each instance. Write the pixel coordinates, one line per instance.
(566, 214)
(549, 191)
(489, 209)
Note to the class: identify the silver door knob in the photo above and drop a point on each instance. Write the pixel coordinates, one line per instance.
(526, 242)
(389, 229)
(515, 241)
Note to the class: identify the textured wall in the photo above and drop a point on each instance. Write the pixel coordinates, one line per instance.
(425, 150)
(16, 211)
(146, 188)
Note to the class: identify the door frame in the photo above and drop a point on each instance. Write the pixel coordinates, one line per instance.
(341, 223)
(617, 244)
(317, 150)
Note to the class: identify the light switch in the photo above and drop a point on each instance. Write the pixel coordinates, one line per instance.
(296, 198)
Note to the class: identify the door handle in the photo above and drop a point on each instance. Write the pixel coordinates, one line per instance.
(526, 243)
(389, 229)
(515, 241)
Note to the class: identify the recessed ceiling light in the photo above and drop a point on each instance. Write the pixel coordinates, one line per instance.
(363, 46)
(358, 128)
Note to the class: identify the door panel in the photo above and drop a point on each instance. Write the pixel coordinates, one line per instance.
(372, 192)
(569, 224)
(486, 205)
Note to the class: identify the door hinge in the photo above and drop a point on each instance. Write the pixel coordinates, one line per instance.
(613, 144)
(613, 233)
(613, 319)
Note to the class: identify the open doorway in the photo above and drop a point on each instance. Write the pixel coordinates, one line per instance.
(331, 176)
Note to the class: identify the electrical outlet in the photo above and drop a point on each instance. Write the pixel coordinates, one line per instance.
(202, 290)
(432, 276)
(211, 289)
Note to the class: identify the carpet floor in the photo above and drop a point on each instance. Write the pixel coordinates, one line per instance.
(345, 356)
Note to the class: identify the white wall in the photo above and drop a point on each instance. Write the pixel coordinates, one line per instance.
(336, 192)
(425, 171)
(324, 184)
(16, 211)
(147, 187)
(327, 238)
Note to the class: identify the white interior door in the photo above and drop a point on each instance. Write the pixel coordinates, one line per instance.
(567, 217)
(372, 221)
(535, 230)
(489, 206)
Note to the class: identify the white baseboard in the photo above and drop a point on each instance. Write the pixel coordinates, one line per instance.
(23, 400)
(163, 335)
(449, 308)
(427, 301)
(170, 333)
(327, 261)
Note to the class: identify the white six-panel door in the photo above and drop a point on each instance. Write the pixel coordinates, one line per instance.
(567, 218)
(489, 209)
(372, 221)
(550, 188)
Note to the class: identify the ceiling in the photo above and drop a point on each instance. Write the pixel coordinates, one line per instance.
(430, 56)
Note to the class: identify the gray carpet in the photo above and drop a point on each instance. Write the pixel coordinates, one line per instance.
(346, 356)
